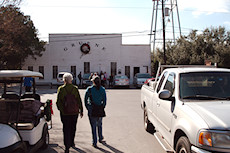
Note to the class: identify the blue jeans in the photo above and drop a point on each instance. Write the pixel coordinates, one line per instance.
(96, 126)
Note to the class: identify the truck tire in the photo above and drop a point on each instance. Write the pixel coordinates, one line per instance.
(19, 151)
(147, 125)
(183, 145)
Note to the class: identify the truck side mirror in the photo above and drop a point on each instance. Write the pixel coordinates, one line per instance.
(165, 94)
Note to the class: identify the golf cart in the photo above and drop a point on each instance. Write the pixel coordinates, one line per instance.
(24, 119)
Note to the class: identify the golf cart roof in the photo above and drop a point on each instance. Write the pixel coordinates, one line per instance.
(18, 74)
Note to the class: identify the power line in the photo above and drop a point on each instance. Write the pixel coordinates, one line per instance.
(119, 7)
(76, 35)
(95, 7)
(97, 38)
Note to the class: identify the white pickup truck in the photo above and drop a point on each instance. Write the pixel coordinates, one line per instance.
(187, 109)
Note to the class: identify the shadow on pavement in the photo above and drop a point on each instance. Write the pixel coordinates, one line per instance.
(78, 150)
(109, 147)
(50, 149)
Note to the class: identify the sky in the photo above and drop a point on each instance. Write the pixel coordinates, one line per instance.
(131, 18)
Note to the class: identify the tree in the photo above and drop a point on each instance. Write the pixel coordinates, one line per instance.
(8, 2)
(18, 38)
(213, 44)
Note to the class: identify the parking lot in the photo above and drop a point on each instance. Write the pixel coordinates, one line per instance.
(122, 127)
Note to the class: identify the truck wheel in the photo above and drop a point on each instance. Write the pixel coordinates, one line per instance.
(148, 126)
(183, 145)
(19, 151)
(45, 137)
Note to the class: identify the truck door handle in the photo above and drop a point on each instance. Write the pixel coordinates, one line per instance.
(158, 104)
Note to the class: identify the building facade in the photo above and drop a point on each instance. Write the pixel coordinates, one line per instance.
(87, 53)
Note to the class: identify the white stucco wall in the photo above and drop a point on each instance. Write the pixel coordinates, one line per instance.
(64, 51)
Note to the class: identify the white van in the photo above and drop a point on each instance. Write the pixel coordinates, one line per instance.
(60, 80)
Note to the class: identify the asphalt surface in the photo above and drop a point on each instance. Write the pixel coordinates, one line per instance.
(123, 127)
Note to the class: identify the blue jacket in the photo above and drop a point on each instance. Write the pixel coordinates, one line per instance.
(98, 96)
(28, 81)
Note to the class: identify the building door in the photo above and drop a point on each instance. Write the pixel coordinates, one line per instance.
(41, 70)
(55, 72)
(113, 68)
(127, 71)
(73, 71)
(136, 70)
(86, 67)
(30, 68)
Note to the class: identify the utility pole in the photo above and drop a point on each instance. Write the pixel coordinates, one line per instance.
(168, 7)
(163, 23)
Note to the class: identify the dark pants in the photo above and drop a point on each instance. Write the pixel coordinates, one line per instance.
(69, 128)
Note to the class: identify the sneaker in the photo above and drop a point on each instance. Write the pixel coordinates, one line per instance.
(67, 151)
(73, 145)
(95, 145)
(102, 140)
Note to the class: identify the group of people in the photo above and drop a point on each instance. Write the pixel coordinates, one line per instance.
(103, 77)
(95, 96)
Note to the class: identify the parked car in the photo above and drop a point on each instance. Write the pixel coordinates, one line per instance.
(121, 81)
(60, 80)
(140, 78)
(86, 81)
(23, 120)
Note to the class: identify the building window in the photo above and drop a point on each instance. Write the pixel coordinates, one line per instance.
(86, 67)
(41, 70)
(147, 69)
(113, 68)
(55, 72)
(127, 71)
(30, 68)
(73, 71)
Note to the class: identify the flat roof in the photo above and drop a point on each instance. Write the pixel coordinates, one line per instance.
(19, 73)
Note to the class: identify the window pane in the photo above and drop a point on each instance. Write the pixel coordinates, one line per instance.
(113, 68)
(86, 67)
(41, 70)
(30, 68)
(55, 72)
(169, 85)
(204, 84)
(161, 81)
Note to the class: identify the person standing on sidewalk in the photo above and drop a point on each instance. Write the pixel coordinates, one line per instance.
(28, 83)
(80, 79)
(69, 120)
(95, 94)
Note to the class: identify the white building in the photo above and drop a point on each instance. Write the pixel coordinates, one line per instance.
(90, 53)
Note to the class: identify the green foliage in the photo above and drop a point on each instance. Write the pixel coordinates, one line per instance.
(18, 38)
(213, 44)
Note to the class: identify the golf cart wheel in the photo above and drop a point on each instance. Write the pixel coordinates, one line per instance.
(147, 125)
(45, 137)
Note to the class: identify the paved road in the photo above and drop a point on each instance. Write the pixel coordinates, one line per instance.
(123, 126)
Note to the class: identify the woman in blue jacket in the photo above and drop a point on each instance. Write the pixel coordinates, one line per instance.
(98, 97)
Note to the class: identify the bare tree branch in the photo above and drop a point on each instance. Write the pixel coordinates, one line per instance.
(10, 2)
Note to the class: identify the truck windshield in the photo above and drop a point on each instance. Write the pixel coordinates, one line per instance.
(205, 85)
